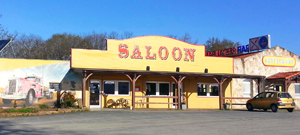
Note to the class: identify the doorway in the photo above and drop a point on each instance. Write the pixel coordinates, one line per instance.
(174, 93)
(95, 97)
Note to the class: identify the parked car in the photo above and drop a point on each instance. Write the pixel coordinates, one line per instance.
(273, 100)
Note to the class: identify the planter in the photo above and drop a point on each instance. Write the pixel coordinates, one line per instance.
(226, 106)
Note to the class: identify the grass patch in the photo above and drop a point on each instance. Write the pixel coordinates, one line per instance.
(21, 110)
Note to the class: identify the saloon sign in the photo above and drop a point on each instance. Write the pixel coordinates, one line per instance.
(162, 53)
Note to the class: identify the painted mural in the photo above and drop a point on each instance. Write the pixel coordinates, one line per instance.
(34, 85)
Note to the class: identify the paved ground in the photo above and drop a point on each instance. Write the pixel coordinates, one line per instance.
(175, 122)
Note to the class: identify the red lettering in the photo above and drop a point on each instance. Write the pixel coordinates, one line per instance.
(153, 57)
(136, 53)
(189, 52)
(179, 54)
(123, 52)
(160, 53)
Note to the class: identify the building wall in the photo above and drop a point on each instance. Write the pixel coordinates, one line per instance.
(253, 65)
(192, 100)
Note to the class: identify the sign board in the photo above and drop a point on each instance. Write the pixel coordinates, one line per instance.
(150, 53)
(279, 61)
(259, 43)
(229, 51)
(3, 43)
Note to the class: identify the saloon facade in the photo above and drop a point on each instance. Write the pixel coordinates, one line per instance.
(161, 72)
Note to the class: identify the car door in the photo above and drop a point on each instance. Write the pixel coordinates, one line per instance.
(258, 100)
(267, 100)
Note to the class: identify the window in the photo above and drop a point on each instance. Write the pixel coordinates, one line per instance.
(116, 87)
(247, 88)
(297, 89)
(208, 89)
(55, 86)
(157, 88)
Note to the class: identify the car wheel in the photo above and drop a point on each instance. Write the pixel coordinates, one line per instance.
(290, 109)
(6, 101)
(274, 108)
(249, 107)
(29, 99)
(265, 110)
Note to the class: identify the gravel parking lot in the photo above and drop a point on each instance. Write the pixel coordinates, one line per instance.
(139, 122)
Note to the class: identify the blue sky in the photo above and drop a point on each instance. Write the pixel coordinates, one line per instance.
(236, 20)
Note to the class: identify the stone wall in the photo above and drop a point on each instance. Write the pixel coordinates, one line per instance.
(253, 65)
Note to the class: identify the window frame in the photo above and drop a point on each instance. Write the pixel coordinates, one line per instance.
(116, 87)
(208, 90)
(297, 94)
(157, 92)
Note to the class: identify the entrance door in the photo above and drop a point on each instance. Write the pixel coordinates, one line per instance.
(95, 97)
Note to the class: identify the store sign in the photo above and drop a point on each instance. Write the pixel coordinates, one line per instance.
(162, 53)
(259, 43)
(229, 51)
(279, 61)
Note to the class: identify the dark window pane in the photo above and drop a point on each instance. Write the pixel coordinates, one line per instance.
(150, 88)
(123, 87)
(164, 88)
(284, 95)
(297, 88)
(214, 90)
(109, 87)
(201, 89)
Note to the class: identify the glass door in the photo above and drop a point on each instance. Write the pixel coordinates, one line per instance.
(95, 97)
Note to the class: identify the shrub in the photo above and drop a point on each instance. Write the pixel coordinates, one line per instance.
(44, 106)
(67, 100)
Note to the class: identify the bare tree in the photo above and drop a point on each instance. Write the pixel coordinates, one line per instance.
(213, 44)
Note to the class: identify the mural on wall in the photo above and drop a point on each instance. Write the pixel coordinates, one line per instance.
(36, 85)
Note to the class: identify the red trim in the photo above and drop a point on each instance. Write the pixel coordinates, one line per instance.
(278, 66)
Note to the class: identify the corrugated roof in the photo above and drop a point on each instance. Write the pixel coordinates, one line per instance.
(284, 75)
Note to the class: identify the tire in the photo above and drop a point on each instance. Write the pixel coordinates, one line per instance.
(290, 109)
(30, 98)
(274, 108)
(249, 107)
(6, 101)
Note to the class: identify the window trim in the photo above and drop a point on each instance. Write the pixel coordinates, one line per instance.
(207, 91)
(116, 92)
(157, 87)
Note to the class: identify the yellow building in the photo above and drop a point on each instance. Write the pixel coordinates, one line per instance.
(146, 72)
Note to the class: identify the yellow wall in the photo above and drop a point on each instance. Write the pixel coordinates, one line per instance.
(99, 59)
(9, 64)
(189, 87)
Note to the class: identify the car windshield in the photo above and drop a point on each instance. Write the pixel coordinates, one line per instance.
(30, 78)
(284, 95)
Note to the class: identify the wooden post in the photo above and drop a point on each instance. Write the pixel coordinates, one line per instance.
(178, 82)
(133, 80)
(220, 81)
(84, 79)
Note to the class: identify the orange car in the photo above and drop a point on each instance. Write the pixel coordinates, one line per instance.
(272, 100)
